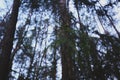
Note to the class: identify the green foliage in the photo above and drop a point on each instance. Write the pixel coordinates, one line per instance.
(90, 57)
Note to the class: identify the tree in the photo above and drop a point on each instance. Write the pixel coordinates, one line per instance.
(8, 42)
(66, 47)
(50, 34)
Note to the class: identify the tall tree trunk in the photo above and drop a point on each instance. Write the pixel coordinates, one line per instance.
(54, 63)
(8, 42)
(66, 51)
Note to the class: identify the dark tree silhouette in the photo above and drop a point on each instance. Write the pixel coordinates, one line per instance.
(8, 42)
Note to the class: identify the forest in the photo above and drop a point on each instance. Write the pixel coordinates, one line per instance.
(60, 40)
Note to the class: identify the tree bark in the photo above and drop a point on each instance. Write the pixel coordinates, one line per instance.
(8, 42)
(66, 51)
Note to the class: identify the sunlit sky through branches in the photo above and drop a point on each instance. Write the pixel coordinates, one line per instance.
(5, 6)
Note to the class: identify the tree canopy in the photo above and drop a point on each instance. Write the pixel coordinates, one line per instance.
(60, 40)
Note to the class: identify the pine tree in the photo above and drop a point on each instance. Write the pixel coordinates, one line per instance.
(8, 42)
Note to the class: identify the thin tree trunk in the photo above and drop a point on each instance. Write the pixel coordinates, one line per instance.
(54, 66)
(111, 22)
(8, 42)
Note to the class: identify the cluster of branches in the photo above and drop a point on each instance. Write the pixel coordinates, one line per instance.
(40, 38)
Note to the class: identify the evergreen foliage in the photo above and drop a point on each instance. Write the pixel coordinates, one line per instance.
(45, 40)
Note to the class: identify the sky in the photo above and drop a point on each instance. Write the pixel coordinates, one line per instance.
(4, 7)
